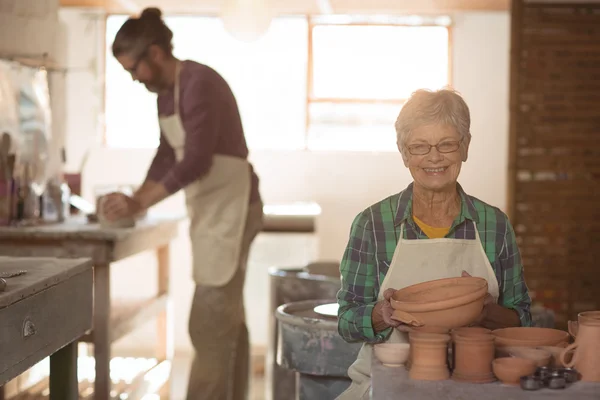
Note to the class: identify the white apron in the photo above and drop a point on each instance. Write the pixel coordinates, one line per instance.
(417, 261)
(217, 205)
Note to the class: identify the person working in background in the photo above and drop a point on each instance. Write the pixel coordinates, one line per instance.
(203, 151)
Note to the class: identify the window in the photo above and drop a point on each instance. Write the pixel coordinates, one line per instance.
(315, 84)
(361, 75)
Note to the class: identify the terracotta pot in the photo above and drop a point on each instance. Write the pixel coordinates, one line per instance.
(541, 357)
(429, 354)
(586, 358)
(510, 369)
(530, 337)
(450, 303)
(473, 356)
(392, 354)
(555, 353)
(470, 330)
(589, 317)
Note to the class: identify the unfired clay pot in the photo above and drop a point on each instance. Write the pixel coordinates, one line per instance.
(429, 356)
(541, 357)
(586, 358)
(392, 354)
(449, 303)
(530, 337)
(589, 317)
(510, 369)
(555, 353)
(473, 356)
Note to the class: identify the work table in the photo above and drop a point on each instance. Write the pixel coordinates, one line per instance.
(76, 238)
(42, 313)
(394, 383)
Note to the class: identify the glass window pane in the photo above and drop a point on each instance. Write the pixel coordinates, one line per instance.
(352, 126)
(268, 78)
(378, 62)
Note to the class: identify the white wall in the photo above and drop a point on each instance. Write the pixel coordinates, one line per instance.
(342, 183)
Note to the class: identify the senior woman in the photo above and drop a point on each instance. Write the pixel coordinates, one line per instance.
(430, 230)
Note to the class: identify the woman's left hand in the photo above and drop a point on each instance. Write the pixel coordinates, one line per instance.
(494, 316)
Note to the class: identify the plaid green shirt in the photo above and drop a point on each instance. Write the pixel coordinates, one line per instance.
(373, 239)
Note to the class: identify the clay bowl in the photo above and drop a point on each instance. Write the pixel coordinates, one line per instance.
(539, 356)
(392, 354)
(555, 352)
(430, 329)
(449, 303)
(530, 337)
(510, 369)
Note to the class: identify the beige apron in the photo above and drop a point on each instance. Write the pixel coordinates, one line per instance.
(417, 261)
(217, 206)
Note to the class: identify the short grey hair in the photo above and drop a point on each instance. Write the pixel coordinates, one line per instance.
(425, 107)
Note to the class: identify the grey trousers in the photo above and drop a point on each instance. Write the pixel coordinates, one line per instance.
(218, 331)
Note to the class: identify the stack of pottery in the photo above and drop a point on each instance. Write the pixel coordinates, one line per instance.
(473, 354)
(429, 356)
(586, 357)
(449, 303)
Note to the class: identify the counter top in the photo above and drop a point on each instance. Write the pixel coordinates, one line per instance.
(79, 228)
(394, 383)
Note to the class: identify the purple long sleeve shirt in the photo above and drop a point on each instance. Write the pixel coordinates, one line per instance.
(212, 124)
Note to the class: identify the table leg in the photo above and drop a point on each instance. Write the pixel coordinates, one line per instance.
(102, 384)
(164, 346)
(63, 373)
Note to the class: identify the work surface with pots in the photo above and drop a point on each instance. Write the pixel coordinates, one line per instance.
(394, 383)
(443, 358)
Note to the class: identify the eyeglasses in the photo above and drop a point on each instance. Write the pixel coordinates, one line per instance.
(443, 147)
(133, 69)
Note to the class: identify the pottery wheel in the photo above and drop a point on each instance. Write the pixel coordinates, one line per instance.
(327, 310)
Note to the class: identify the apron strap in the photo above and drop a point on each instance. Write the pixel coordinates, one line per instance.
(176, 88)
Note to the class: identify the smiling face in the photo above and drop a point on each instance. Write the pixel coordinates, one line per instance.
(435, 171)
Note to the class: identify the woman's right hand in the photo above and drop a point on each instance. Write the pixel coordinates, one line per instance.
(382, 313)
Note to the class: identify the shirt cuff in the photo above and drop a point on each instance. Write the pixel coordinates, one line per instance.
(369, 333)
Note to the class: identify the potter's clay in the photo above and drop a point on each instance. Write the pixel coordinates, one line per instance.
(510, 369)
(105, 223)
(429, 356)
(473, 356)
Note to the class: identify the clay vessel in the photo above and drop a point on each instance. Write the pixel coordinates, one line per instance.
(450, 303)
(541, 357)
(473, 356)
(530, 337)
(470, 330)
(429, 354)
(510, 369)
(590, 317)
(555, 353)
(586, 349)
(392, 354)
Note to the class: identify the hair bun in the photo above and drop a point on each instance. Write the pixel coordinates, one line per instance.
(151, 12)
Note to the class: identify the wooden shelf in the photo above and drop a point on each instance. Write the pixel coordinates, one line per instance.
(127, 315)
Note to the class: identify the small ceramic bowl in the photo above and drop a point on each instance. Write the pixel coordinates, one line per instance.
(510, 369)
(541, 357)
(392, 354)
(555, 355)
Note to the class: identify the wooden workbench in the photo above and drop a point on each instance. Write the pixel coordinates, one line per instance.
(76, 238)
(43, 313)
